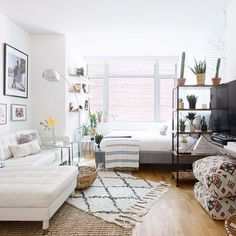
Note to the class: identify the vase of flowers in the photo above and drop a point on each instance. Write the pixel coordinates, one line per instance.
(49, 124)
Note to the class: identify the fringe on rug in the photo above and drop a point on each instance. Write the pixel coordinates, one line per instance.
(136, 212)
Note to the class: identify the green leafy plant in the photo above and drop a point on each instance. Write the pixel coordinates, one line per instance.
(182, 124)
(99, 116)
(98, 139)
(182, 65)
(217, 67)
(93, 120)
(199, 67)
(191, 115)
(192, 98)
(85, 129)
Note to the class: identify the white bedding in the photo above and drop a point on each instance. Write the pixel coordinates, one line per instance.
(149, 140)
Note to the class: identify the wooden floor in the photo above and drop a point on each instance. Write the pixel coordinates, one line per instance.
(177, 213)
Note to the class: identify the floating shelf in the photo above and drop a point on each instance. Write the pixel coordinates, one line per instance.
(194, 86)
(196, 109)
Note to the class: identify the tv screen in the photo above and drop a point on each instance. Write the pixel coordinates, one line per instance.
(232, 106)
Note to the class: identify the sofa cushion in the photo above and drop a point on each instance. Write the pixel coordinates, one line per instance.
(217, 174)
(23, 187)
(26, 138)
(25, 149)
(218, 209)
(45, 157)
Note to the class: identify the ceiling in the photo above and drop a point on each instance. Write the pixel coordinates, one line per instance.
(77, 16)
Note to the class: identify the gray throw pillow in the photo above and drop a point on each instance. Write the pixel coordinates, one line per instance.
(163, 130)
(26, 138)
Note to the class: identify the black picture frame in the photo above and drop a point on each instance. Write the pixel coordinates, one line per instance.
(15, 72)
(18, 112)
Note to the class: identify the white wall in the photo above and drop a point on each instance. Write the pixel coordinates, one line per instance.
(13, 35)
(230, 43)
(48, 98)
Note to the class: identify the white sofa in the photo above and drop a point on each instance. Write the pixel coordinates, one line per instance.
(32, 188)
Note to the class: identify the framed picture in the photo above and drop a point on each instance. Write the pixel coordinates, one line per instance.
(3, 114)
(15, 72)
(18, 112)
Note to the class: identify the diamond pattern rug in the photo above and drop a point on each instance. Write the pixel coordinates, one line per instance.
(119, 197)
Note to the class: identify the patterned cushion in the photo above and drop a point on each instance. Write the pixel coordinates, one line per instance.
(217, 174)
(218, 209)
(25, 138)
(22, 150)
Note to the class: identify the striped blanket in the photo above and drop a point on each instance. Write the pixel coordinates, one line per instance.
(121, 152)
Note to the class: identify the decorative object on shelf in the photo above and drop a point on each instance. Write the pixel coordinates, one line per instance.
(15, 72)
(191, 116)
(216, 80)
(72, 107)
(85, 88)
(80, 71)
(18, 112)
(181, 80)
(85, 132)
(204, 106)
(182, 125)
(181, 103)
(199, 70)
(77, 87)
(3, 113)
(98, 139)
(203, 124)
(49, 124)
(86, 105)
(99, 116)
(192, 100)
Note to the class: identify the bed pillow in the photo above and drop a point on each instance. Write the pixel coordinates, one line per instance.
(25, 149)
(26, 138)
(163, 130)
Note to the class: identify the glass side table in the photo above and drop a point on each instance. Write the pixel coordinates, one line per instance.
(62, 145)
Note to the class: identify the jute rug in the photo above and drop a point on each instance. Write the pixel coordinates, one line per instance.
(68, 221)
(119, 198)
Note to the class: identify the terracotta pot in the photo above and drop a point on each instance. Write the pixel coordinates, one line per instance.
(181, 81)
(215, 81)
(200, 79)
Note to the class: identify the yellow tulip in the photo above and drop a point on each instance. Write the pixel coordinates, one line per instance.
(51, 121)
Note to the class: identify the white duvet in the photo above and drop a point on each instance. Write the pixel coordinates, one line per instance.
(149, 140)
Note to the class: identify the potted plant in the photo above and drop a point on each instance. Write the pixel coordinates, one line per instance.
(216, 80)
(93, 125)
(99, 116)
(192, 100)
(191, 116)
(98, 139)
(203, 124)
(182, 125)
(85, 131)
(181, 103)
(181, 80)
(199, 70)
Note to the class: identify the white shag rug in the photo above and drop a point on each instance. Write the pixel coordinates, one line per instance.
(119, 198)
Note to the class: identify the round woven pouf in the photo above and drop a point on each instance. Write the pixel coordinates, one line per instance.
(230, 225)
(86, 176)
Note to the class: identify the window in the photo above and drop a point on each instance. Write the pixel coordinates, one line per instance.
(132, 90)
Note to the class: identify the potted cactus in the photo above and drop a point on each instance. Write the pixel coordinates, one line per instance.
(181, 80)
(182, 125)
(191, 116)
(98, 139)
(192, 100)
(203, 124)
(216, 80)
(199, 70)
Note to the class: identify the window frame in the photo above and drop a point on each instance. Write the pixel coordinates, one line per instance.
(156, 76)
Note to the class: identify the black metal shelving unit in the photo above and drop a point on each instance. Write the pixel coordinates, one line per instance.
(176, 111)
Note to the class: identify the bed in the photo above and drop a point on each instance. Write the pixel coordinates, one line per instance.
(154, 147)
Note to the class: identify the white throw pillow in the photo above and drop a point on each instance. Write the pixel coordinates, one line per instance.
(22, 150)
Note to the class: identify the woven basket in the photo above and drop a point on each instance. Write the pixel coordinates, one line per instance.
(86, 176)
(230, 225)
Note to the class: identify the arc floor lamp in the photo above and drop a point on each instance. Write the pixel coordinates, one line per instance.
(52, 75)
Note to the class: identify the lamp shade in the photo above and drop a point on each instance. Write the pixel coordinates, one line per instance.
(51, 75)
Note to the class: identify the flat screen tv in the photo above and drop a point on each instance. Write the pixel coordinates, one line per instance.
(223, 108)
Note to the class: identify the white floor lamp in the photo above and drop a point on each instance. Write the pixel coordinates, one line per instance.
(54, 76)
